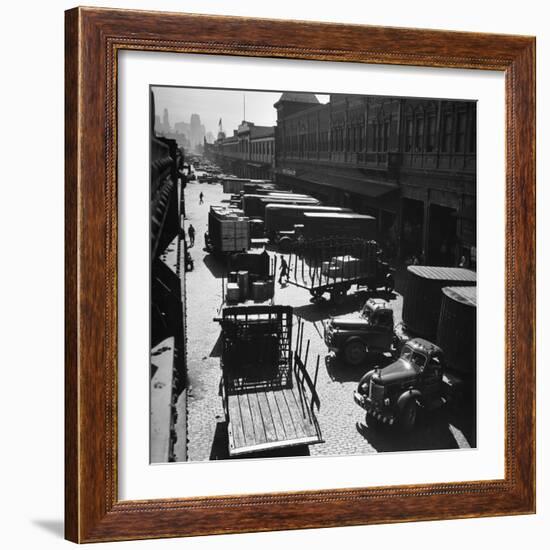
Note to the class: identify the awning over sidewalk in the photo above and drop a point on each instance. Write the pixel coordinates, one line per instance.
(356, 182)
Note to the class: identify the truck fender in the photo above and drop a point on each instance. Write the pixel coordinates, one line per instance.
(365, 379)
(355, 339)
(406, 397)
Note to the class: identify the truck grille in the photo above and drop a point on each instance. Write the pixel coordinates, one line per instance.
(376, 392)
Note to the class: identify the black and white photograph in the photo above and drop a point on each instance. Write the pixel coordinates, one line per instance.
(312, 274)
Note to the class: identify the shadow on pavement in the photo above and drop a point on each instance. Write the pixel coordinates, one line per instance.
(431, 433)
(323, 309)
(217, 349)
(217, 267)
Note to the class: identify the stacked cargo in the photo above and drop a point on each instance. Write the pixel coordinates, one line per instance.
(233, 293)
(262, 290)
(250, 277)
(342, 266)
(228, 231)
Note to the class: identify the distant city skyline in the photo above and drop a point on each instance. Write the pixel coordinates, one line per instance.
(231, 106)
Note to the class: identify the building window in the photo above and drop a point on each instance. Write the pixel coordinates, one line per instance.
(430, 143)
(409, 135)
(472, 133)
(460, 141)
(447, 132)
(419, 135)
(379, 132)
(386, 136)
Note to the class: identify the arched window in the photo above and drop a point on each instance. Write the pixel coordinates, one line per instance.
(431, 130)
(419, 131)
(446, 142)
(460, 136)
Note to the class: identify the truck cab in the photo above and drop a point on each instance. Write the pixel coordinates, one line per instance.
(417, 379)
(353, 335)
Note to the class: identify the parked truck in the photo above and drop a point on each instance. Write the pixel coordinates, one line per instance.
(352, 336)
(420, 379)
(228, 232)
(335, 265)
(269, 398)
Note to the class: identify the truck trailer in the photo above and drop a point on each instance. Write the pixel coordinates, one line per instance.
(269, 398)
(283, 217)
(254, 205)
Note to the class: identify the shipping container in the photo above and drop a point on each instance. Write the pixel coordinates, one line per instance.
(456, 331)
(283, 217)
(422, 297)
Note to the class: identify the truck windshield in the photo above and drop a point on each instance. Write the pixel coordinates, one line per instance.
(415, 357)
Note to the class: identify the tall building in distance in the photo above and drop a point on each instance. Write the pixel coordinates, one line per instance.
(166, 121)
(198, 131)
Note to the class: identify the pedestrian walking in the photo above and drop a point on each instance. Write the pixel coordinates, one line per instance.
(191, 233)
(284, 271)
(201, 198)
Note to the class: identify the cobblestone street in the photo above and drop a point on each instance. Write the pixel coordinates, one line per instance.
(341, 421)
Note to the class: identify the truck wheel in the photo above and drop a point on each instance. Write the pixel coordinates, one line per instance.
(407, 419)
(355, 352)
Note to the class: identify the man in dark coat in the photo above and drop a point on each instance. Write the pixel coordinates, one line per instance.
(191, 232)
(284, 270)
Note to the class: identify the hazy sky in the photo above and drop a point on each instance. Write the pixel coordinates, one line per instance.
(213, 104)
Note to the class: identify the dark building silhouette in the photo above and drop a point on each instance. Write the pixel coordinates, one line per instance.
(409, 162)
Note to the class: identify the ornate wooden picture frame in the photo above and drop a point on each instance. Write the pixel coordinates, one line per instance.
(94, 37)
